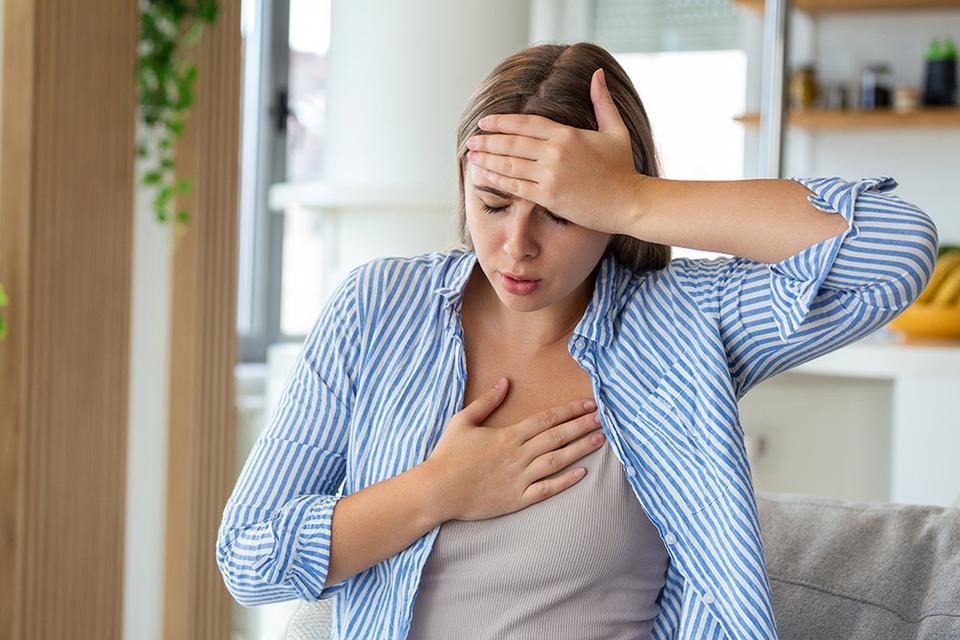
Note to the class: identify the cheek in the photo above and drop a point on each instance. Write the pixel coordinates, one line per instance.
(479, 220)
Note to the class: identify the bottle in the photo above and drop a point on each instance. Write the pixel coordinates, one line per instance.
(940, 78)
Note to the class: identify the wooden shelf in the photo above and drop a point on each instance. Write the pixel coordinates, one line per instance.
(824, 6)
(936, 117)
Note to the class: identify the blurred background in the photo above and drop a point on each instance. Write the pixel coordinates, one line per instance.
(142, 356)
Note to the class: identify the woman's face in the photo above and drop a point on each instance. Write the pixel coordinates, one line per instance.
(524, 239)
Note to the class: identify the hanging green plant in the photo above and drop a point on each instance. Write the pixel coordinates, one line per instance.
(169, 29)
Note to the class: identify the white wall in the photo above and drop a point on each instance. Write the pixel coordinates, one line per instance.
(147, 435)
(400, 75)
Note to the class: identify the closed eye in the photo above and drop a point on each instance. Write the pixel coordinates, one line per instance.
(495, 210)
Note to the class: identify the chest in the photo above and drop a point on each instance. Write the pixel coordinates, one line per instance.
(550, 379)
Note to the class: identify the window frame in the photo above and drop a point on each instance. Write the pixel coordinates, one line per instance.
(263, 162)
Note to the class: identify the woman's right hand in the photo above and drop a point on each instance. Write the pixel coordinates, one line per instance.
(484, 472)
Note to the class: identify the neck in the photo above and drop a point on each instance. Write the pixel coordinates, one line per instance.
(529, 334)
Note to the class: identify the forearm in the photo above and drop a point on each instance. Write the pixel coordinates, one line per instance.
(757, 219)
(380, 521)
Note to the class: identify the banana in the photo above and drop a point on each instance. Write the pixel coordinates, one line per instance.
(945, 265)
(949, 289)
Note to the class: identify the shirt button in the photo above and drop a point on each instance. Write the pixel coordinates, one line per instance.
(670, 538)
(707, 598)
(631, 471)
(580, 343)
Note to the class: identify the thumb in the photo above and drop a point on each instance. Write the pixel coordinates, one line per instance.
(482, 406)
(608, 117)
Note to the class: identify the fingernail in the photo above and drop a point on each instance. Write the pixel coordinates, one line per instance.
(596, 439)
(589, 405)
(596, 417)
(501, 383)
(603, 78)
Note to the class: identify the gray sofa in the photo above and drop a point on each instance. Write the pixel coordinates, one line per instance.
(839, 570)
(861, 570)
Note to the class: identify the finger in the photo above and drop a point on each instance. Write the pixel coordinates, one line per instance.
(608, 116)
(484, 404)
(520, 188)
(561, 435)
(543, 420)
(557, 461)
(521, 123)
(509, 145)
(506, 165)
(542, 490)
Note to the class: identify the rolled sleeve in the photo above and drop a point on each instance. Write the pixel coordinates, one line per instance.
(303, 564)
(774, 316)
(885, 255)
(274, 539)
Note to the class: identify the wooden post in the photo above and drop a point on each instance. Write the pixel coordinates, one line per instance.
(202, 436)
(66, 197)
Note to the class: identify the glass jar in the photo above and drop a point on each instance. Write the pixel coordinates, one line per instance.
(876, 86)
(803, 87)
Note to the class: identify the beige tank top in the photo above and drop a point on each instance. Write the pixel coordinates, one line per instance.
(584, 563)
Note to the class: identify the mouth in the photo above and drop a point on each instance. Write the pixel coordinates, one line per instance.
(518, 286)
(519, 278)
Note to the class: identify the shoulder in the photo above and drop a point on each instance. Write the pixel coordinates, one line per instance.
(678, 274)
(683, 281)
(402, 277)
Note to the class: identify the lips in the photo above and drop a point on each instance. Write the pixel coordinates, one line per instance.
(516, 277)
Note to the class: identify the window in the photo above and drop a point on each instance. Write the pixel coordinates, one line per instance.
(284, 117)
(686, 60)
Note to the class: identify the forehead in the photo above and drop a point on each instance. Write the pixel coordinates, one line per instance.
(475, 177)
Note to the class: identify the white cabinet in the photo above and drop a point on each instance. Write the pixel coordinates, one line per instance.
(875, 420)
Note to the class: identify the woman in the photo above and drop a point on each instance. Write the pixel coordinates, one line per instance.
(461, 513)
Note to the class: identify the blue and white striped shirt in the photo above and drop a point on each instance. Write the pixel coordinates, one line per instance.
(669, 354)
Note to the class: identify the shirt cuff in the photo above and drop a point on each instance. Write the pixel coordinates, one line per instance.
(304, 565)
(796, 280)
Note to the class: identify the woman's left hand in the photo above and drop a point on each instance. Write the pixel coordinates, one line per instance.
(584, 176)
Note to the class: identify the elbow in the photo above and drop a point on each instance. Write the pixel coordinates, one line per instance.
(914, 255)
(927, 243)
(247, 578)
(230, 576)
(245, 587)
(933, 246)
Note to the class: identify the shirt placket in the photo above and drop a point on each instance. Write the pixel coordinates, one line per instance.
(581, 351)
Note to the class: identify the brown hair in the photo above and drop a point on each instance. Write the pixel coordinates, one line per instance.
(553, 80)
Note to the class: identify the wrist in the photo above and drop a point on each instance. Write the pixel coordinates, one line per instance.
(431, 483)
(636, 203)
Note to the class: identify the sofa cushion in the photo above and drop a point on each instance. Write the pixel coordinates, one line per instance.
(861, 570)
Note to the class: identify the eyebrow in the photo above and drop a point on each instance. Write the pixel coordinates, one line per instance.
(507, 196)
(496, 192)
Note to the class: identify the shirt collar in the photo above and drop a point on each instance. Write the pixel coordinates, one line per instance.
(611, 290)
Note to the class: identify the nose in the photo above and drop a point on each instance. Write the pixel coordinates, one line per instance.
(520, 241)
